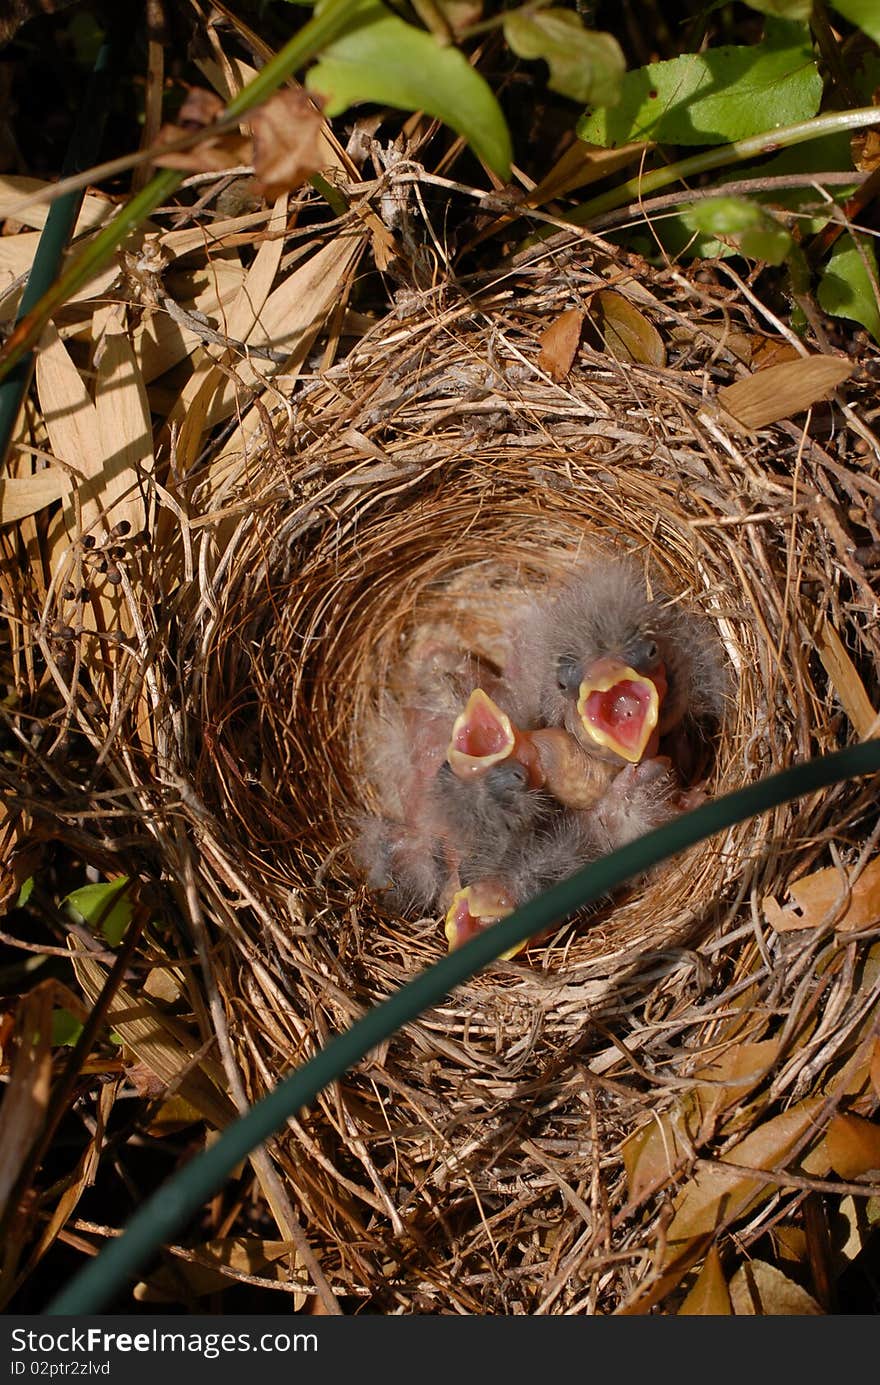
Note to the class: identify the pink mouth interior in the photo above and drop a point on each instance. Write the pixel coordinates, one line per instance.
(461, 925)
(475, 909)
(482, 734)
(620, 711)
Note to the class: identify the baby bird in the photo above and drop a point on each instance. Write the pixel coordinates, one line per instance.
(542, 856)
(434, 824)
(616, 666)
(641, 797)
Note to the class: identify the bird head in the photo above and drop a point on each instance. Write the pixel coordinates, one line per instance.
(485, 740)
(622, 664)
(610, 672)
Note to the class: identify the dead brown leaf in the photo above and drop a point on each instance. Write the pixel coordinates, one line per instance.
(288, 142)
(200, 107)
(286, 145)
(828, 894)
(174, 1114)
(782, 390)
(291, 318)
(790, 1243)
(739, 344)
(653, 1152)
(770, 351)
(25, 495)
(14, 190)
(709, 1296)
(626, 332)
(865, 144)
(853, 1146)
(382, 242)
(866, 151)
(851, 1229)
(580, 165)
(161, 1042)
(717, 1193)
(875, 1068)
(732, 1075)
(211, 155)
(760, 1290)
(559, 344)
(124, 429)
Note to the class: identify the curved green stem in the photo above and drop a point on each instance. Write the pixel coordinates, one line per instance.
(163, 1213)
(752, 148)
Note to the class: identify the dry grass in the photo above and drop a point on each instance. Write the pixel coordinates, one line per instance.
(550, 1140)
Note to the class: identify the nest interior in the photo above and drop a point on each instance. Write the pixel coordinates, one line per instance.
(478, 1162)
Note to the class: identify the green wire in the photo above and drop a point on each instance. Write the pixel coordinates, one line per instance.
(60, 221)
(171, 1206)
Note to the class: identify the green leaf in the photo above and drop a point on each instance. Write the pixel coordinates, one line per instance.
(770, 243)
(745, 224)
(847, 287)
(724, 216)
(106, 907)
(381, 58)
(25, 892)
(66, 1029)
(865, 14)
(584, 65)
(716, 97)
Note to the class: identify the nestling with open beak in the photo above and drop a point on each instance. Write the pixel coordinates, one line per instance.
(436, 821)
(616, 666)
(638, 799)
(496, 783)
(537, 859)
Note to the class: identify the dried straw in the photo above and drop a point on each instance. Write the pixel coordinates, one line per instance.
(477, 1163)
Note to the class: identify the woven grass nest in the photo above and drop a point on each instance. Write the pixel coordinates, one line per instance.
(549, 1139)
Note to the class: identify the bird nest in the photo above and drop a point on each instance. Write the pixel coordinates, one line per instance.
(518, 1148)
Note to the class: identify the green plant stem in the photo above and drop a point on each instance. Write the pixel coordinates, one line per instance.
(754, 147)
(163, 1213)
(313, 36)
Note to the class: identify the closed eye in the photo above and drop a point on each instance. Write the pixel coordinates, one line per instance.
(508, 776)
(643, 655)
(569, 674)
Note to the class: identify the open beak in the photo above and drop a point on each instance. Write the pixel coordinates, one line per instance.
(483, 736)
(476, 908)
(620, 708)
